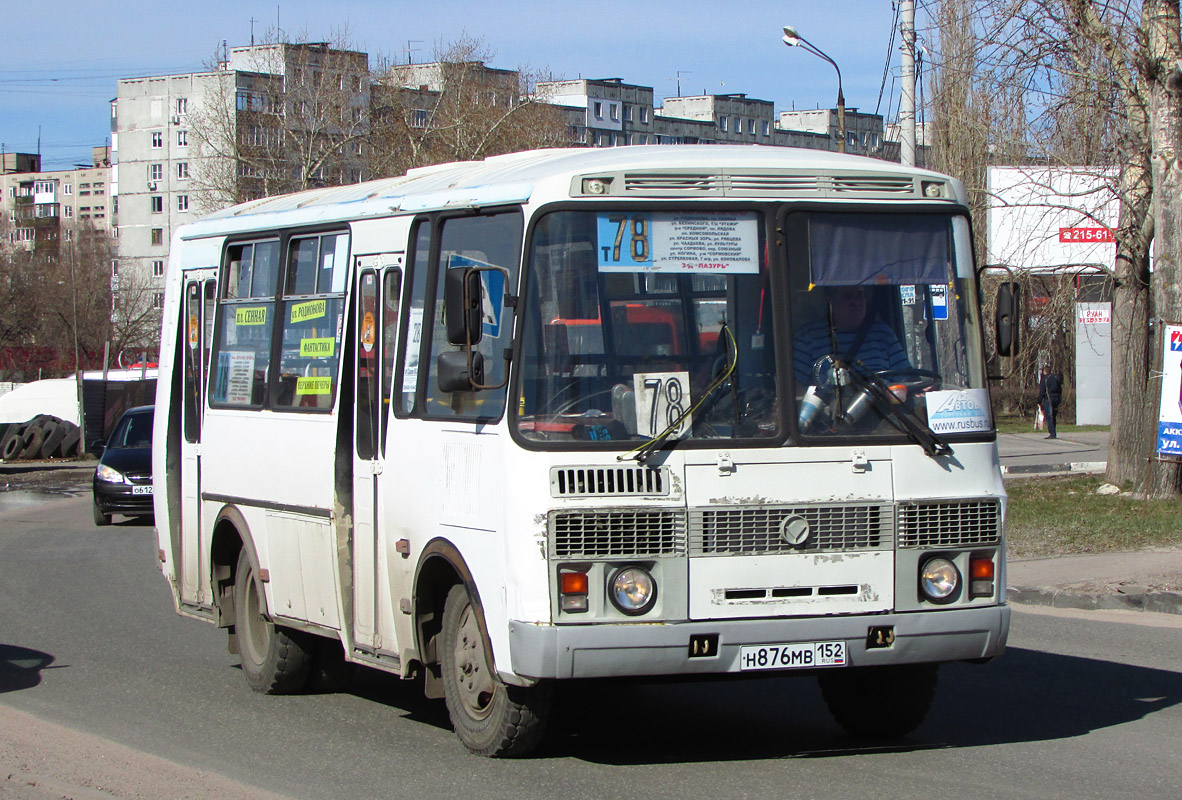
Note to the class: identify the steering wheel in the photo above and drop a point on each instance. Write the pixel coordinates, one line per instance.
(915, 380)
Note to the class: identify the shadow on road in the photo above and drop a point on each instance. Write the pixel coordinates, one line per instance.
(20, 667)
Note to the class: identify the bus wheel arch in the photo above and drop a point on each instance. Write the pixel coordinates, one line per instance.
(230, 535)
(440, 568)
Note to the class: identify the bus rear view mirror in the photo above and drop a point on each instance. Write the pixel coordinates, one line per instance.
(460, 371)
(1006, 320)
(463, 298)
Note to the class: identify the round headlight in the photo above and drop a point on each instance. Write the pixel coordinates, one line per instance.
(939, 579)
(632, 590)
(105, 473)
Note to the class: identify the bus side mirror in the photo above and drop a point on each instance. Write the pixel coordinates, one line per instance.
(463, 301)
(459, 371)
(1006, 323)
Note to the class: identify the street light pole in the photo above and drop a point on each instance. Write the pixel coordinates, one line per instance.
(793, 39)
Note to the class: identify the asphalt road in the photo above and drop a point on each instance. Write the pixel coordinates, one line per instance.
(1082, 705)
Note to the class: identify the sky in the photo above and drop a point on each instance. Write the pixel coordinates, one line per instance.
(59, 74)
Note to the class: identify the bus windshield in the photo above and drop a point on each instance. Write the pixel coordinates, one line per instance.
(659, 324)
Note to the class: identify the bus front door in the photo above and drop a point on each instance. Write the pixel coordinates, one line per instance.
(200, 299)
(379, 283)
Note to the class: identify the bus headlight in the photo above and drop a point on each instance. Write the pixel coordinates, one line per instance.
(939, 579)
(632, 590)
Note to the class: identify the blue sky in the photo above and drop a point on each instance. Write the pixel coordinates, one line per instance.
(59, 73)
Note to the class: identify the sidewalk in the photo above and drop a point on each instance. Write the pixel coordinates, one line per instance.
(1147, 580)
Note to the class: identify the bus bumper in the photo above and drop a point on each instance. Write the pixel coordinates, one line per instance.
(663, 648)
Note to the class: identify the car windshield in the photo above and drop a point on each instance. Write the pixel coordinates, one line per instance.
(648, 324)
(134, 430)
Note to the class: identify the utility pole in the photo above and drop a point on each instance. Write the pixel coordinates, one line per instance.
(907, 102)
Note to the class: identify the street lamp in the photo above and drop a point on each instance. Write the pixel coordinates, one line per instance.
(793, 39)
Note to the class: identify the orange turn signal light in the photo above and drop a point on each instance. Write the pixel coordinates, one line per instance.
(981, 569)
(573, 582)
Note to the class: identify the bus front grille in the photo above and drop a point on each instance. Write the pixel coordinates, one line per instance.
(790, 529)
(617, 532)
(955, 523)
(609, 481)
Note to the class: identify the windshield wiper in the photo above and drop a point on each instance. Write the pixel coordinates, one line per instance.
(641, 454)
(898, 413)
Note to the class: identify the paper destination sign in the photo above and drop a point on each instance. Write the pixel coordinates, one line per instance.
(677, 242)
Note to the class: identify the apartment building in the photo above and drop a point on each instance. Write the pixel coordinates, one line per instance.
(40, 208)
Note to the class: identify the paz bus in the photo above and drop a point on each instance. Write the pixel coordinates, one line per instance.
(506, 423)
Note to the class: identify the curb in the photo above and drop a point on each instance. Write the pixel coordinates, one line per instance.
(1080, 467)
(1155, 602)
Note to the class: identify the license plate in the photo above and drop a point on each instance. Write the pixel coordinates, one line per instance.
(141, 489)
(792, 656)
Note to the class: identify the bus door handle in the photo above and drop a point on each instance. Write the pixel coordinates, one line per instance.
(375, 467)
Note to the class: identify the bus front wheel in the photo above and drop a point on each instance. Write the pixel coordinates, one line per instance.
(274, 660)
(491, 717)
(879, 702)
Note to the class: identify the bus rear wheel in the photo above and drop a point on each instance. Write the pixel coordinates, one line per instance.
(274, 660)
(491, 717)
(879, 702)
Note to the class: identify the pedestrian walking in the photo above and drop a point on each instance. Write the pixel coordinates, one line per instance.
(1050, 392)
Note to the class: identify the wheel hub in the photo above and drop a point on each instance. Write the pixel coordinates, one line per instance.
(472, 672)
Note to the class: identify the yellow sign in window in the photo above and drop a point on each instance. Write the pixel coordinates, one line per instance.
(313, 386)
(313, 309)
(250, 316)
(317, 348)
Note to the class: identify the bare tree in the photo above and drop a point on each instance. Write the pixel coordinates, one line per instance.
(458, 109)
(1089, 80)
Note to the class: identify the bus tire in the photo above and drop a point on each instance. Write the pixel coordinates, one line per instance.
(274, 660)
(491, 717)
(879, 702)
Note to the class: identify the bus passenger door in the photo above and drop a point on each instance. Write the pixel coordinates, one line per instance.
(379, 282)
(200, 294)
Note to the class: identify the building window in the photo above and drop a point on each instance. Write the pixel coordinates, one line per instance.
(751, 127)
(182, 105)
(68, 211)
(158, 268)
(68, 234)
(627, 113)
(722, 122)
(158, 236)
(644, 115)
(598, 110)
(182, 138)
(155, 172)
(182, 202)
(614, 111)
(157, 203)
(182, 170)
(158, 300)
(767, 127)
(157, 140)
(419, 118)
(68, 188)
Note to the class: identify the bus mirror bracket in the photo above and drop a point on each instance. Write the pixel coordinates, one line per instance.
(460, 371)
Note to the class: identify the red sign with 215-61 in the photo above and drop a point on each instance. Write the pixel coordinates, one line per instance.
(1086, 235)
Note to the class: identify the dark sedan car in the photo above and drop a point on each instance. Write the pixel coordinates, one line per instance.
(123, 479)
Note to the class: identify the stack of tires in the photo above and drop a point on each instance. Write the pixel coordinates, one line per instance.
(42, 437)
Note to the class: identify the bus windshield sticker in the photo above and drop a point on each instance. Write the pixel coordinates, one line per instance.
(313, 309)
(939, 301)
(368, 329)
(239, 376)
(256, 315)
(306, 386)
(958, 411)
(662, 397)
(703, 242)
(318, 348)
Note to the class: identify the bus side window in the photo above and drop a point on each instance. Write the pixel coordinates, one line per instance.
(241, 361)
(412, 337)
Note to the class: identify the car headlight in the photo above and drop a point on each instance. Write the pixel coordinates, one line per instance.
(105, 473)
(939, 579)
(632, 590)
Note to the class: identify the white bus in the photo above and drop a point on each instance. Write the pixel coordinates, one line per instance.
(570, 414)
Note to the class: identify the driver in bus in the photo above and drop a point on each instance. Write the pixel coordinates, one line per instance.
(861, 337)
